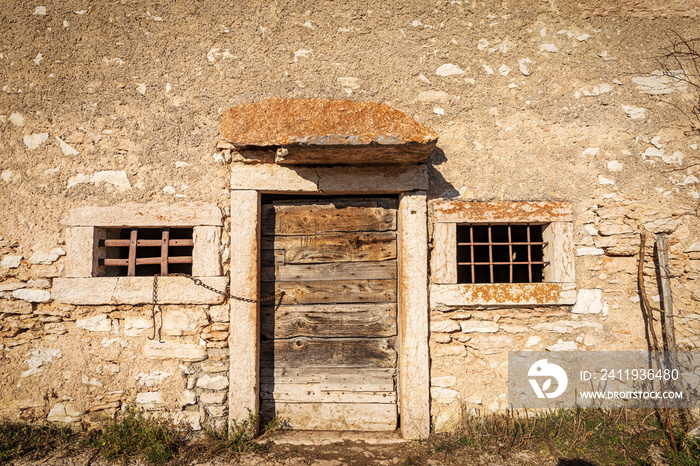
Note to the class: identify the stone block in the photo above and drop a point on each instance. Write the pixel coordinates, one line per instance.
(511, 328)
(444, 395)
(220, 313)
(479, 326)
(663, 225)
(340, 124)
(135, 290)
(32, 295)
(589, 251)
(190, 418)
(329, 180)
(213, 368)
(80, 251)
(135, 326)
(217, 410)
(445, 326)
(145, 398)
(100, 323)
(188, 397)
(15, 307)
(444, 382)
(205, 254)
(152, 214)
(209, 382)
(605, 241)
(174, 350)
(589, 302)
(183, 321)
(64, 412)
(563, 346)
(440, 337)
(208, 397)
(446, 297)
(46, 258)
(152, 378)
(609, 229)
(10, 262)
(449, 350)
(506, 212)
(41, 283)
(532, 341)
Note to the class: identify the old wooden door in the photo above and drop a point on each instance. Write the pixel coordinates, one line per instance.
(327, 351)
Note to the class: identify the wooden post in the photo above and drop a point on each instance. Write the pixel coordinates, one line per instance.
(666, 297)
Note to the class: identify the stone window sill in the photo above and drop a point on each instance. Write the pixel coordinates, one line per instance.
(135, 290)
(456, 296)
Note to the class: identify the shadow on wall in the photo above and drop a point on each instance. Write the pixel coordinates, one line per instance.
(439, 186)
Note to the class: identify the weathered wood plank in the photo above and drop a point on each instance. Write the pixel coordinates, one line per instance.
(334, 247)
(384, 270)
(271, 258)
(332, 291)
(311, 394)
(333, 416)
(323, 218)
(328, 320)
(385, 385)
(330, 374)
(314, 352)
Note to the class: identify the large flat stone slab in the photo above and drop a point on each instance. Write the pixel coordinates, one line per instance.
(136, 290)
(324, 131)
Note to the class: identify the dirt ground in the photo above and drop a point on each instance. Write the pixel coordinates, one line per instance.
(347, 453)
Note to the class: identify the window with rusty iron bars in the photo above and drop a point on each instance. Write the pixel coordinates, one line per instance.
(146, 251)
(500, 253)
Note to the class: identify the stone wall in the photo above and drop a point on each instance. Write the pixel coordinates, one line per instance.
(79, 364)
(469, 347)
(545, 101)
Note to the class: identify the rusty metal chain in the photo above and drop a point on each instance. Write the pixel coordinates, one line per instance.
(197, 282)
(226, 294)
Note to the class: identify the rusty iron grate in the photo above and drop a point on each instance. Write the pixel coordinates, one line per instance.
(146, 251)
(488, 253)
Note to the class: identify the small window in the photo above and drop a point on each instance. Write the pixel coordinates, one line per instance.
(492, 254)
(500, 253)
(145, 251)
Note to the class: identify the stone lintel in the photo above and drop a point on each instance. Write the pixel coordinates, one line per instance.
(445, 297)
(414, 361)
(502, 212)
(372, 154)
(152, 214)
(304, 125)
(329, 180)
(135, 290)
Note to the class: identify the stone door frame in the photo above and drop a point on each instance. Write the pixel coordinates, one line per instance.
(410, 182)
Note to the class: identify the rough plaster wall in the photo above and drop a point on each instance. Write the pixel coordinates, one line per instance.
(139, 88)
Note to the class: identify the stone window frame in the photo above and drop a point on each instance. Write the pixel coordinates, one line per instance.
(559, 285)
(85, 226)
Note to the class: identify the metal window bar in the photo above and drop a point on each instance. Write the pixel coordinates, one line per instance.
(133, 243)
(510, 243)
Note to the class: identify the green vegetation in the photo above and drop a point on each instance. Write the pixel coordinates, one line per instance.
(156, 441)
(240, 438)
(598, 436)
(21, 439)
